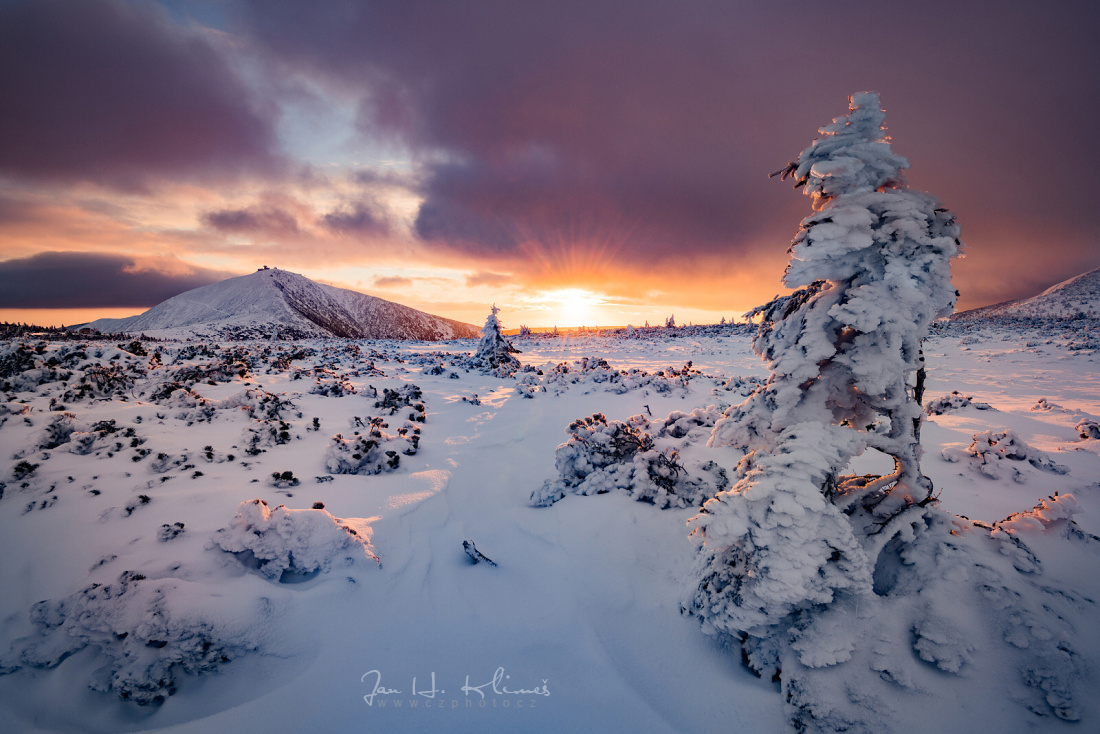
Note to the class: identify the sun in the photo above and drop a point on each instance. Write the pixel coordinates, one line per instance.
(573, 306)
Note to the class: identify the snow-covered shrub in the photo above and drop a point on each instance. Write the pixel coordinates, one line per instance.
(330, 383)
(1088, 428)
(405, 396)
(262, 405)
(223, 371)
(601, 456)
(679, 424)
(261, 435)
(528, 386)
(101, 380)
(170, 532)
(145, 633)
(743, 386)
(494, 351)
(1042, 405)
(990, 450)
(59, 430)
(373, 453)
(287, 545)
(954, 401)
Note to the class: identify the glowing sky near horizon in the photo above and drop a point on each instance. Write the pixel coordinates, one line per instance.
(576, 162)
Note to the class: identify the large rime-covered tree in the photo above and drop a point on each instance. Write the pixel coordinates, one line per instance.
(871, 269)
(494, 351)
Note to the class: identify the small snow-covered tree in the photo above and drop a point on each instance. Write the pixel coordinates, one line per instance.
(494, 351)
(871, 269)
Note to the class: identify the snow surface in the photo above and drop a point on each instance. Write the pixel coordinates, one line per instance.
(281, 619)
(273, 301)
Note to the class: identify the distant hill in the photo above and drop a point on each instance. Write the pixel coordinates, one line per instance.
(273, 301)
(1080, 295)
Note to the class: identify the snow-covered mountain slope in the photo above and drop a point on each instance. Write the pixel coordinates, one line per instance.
(1078, 296)
(272, 300)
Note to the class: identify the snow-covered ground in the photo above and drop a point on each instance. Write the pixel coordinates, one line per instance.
(213, 613)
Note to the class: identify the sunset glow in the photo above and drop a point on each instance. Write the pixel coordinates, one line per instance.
(567, 178)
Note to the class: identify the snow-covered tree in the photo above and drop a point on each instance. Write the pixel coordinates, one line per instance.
(494, 352)
(871, 269)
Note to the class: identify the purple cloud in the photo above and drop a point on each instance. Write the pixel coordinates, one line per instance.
(644, 131)
(259, 219)
(111, 92)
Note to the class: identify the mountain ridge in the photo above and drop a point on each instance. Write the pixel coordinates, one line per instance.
(1075, 297)
(272, 301)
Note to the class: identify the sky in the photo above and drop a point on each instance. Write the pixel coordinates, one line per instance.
(575, 162)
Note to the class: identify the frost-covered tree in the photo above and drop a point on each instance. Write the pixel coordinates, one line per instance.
(810, 568)
(871, 269)
(494, 351)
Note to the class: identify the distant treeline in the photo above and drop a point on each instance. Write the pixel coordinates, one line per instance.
(10, 330)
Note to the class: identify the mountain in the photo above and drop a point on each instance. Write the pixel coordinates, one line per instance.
(273, 301)
(1080, 295)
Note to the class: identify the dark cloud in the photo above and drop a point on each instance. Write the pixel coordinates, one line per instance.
(643, 131)
(256, 220)
(111, 92)
(92, 280)
(359, 218)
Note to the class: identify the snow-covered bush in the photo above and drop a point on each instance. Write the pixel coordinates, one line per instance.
(406, 396)
(1088, 428)
(494, 352)
(59, 430)
(262, 405)
(288, 545)
(330, 383)
(373, 453)
(145, 633)
(601, 456)
(954, 401)
(990, 450)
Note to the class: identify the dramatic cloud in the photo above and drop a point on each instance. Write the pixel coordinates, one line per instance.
(85, 280)
(618, 146)
(110, 92)
(620, 131)
(359, 218)
(259, 219)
